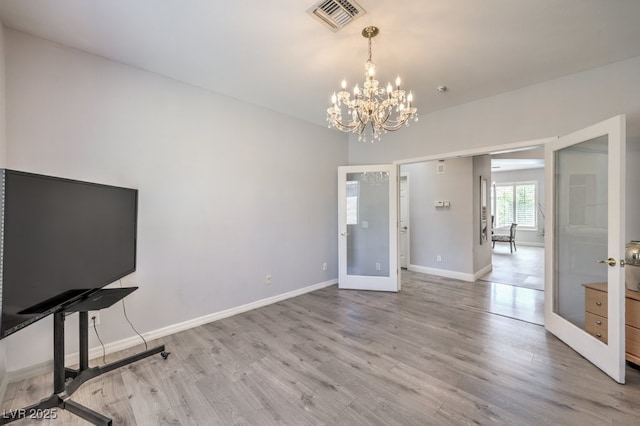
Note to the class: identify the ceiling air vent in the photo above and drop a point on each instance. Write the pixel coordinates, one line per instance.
(336, 13)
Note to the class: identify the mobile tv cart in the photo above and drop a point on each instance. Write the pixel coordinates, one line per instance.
(66, 380)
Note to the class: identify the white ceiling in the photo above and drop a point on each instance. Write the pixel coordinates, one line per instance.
(273, 54)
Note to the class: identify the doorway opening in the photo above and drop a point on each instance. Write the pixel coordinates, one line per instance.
(517, 195)
(436, 216)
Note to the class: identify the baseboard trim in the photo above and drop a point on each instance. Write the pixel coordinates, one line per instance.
(462, 276)
(95, 352)
(529, 244)
(482, 272)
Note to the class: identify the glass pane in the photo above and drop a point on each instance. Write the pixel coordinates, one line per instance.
(368, 224)
(581, 232)
(526, 205)
(504, 205)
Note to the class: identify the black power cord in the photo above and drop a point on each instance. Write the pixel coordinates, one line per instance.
(124, 309)
(104, 354)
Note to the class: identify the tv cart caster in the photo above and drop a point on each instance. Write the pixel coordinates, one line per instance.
(165, 354)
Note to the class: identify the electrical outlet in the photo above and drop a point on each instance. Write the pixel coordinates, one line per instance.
(324, 266)
(438, 258)
(267, 280)
(96, 315)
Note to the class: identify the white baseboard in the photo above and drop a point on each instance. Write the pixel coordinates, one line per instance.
(482, 272)
(529, 243)
(462, 276)
(47, 366)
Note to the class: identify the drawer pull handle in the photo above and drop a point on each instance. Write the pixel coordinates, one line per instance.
(598, 303)
(598, 335)
(598, 322)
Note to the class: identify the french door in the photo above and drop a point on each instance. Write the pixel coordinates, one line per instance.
(368, 228)
(585, 242)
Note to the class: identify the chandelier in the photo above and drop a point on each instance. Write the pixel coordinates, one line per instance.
(380, 109)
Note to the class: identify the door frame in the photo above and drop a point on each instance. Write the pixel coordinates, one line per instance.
(490, 150)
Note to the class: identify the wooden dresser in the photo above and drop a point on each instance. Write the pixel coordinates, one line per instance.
(596, 309)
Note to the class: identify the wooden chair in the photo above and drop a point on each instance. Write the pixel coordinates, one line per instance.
(503, 238)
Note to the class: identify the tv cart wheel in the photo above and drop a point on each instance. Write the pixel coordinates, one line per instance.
(165, 354)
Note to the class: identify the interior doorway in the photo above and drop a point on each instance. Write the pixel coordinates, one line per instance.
(441, 202)
(517, 196)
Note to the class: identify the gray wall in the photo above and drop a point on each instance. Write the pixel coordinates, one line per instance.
(528, 175)
(229, 192)
(441, 231)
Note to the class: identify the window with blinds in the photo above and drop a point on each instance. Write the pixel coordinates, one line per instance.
(515, 203)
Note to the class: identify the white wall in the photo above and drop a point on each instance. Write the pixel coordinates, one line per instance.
(441, 231)
(551, 108)
(229, 192)
(531, 237)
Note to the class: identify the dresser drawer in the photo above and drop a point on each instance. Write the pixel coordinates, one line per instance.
(596, 326)
(632, 340)
(596, 302)
(633, 312)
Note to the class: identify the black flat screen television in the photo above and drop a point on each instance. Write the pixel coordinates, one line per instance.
(61, 239)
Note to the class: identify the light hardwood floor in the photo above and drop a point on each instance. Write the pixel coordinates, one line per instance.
(522, 268)
(426, 355)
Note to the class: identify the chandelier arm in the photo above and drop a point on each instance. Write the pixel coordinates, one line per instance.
(382, 122)
(397, 125)
(344, 127)
(363, 122)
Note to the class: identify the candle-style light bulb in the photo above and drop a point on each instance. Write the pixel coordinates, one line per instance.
(344, 84)
(334, 98)
(356, 90)
(398, 81)
(389, 88)
(410, 98)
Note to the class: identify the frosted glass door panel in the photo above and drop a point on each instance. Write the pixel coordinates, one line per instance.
(368, 224)
(581, 234)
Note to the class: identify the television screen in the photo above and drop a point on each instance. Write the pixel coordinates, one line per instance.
(61, 238)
